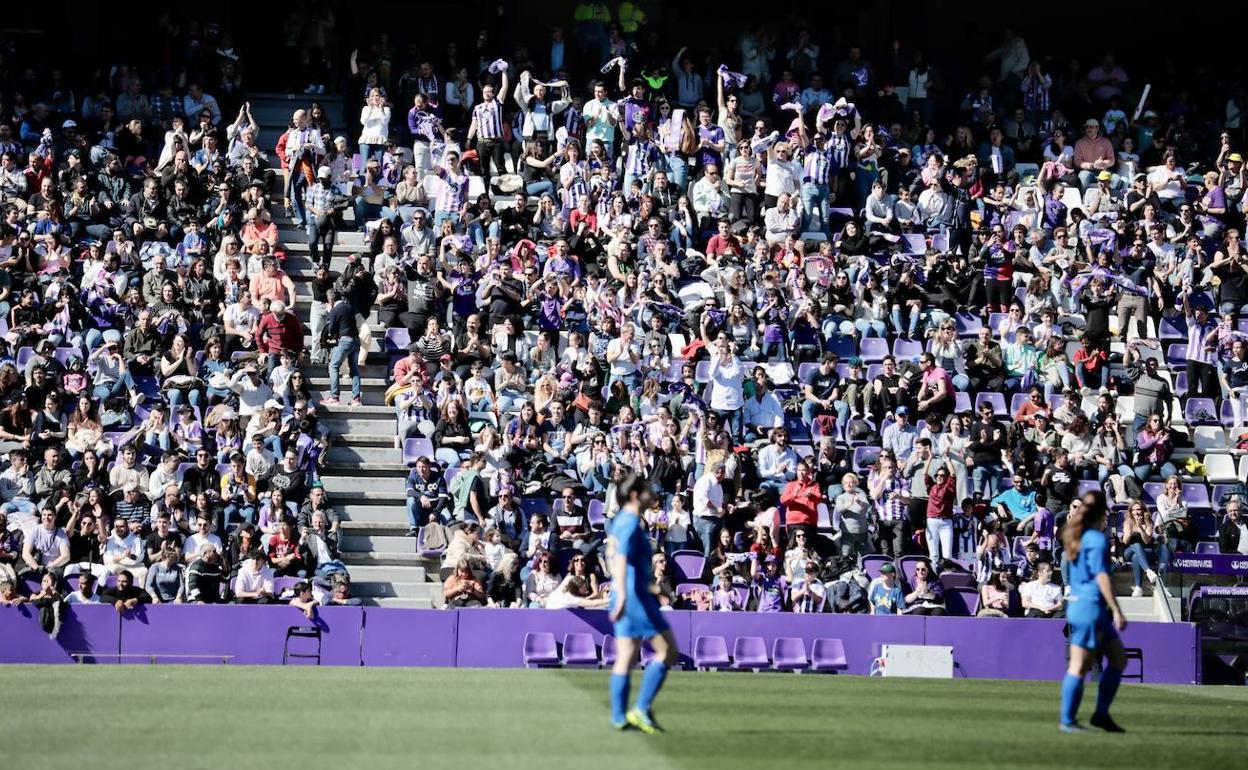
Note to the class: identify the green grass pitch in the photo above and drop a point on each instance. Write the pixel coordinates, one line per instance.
(221, 717)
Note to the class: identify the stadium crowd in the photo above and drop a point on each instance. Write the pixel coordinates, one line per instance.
(838, 313)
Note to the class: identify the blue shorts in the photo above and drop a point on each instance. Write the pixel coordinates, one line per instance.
(643, 619)
(1091, 626)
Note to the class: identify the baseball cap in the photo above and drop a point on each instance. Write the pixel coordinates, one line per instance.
(1235, 158)
(888, 569)
(903, 410)
(69, 124)
(1104, 176)
(324, 172)
(272, 403)
(1091, 123)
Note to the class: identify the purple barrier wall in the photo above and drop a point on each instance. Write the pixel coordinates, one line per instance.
(22, 640)
(861, 634)
(251, 634)
(352, 636)
(409, 637)
(492, 638)
(94, 629)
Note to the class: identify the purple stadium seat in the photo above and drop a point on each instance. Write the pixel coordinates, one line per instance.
(904, 349)
(1151, 490)
(872, 349)
(843, 347)
(873, 371)
(996, 399)
(416, 448)
(968, 325)
(962, 601)
(1200, 411)
(962, 401)
(579, 650)
(1206, 546)
(1055, 401)
(940, 242)
(1172, 330)
(828, 655)
(915, 243)
(689, 565)
(608, 650)
(872, 562)
(1089, 486)
(1219, 491)
(1176, 354)
(283, 584)
(804, 370)
(865, 456)
(710, 652)
(397, 340)
(1180, 383)
(28, 585)
(788, 653)
(750, 652)
(1017, 402)
(743, 595)
(595, 512)
(429, 553)
(1196, 495)
(1205, 524)
(540, 649)
(647, 654)
(951, 580)
(1227, 414)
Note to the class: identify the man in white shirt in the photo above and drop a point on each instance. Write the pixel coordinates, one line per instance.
(124, 550)
(164, 475)
(708, 506)
(622, 354)
(777, 462)
(1041, 597)
(763, 411)
(600, 119)
(784, 174)
(254, 584)
(202, 536)
(781, 220)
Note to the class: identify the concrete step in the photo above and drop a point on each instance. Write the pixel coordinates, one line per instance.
(385, 513)
(397, 603)
(295, 239)
(366, 382)
(364, 439)
(380, 574)
(388, 545)
(345, 425)
(382, 559)
(393, 486)
(398, 589)
(367, 471)
(346, 455)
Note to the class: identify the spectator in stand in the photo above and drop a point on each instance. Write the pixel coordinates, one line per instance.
(1042, 598)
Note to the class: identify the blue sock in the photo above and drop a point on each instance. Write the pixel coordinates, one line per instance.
(1072, 693)
(1110, 679)
(619, 697)
(651, 683)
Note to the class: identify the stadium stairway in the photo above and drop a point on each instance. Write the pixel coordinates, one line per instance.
(364, 474)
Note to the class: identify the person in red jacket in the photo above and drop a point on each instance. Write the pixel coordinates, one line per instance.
(1090, 361)
(278, 331)
(942, 491)
(801, 498)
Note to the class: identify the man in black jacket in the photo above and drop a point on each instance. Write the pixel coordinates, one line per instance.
(342, 329)
(1233, 534)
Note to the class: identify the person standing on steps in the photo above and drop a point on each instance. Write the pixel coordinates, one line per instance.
(342, 329)
(304, 149)
(318, 204)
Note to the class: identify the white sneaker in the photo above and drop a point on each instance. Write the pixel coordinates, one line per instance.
(1152, 576)
(320, 89)
(311, 89)
(1137, 591)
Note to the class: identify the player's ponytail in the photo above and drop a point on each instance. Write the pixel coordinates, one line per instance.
(1072, 533)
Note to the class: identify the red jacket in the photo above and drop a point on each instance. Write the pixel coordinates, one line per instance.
(801, 502)
(274, 336)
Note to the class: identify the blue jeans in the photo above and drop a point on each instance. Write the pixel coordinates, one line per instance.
(870, 328)
(989, 477)
(438, 216)
(175, 397)
(899, 312)
(418, 515)
(815, 198)
(1142, 471)
(811, 410)
(1138, 555)
(370, 151)
(939, 540)
(348, 347)
(245, 512)
(106, 391)
(733, 421)
(538, 188)
(677, 172)
(298, 185)
(708, 530)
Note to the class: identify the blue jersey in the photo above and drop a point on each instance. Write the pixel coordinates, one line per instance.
(642, 618)
(1093, 559)
(628, 537)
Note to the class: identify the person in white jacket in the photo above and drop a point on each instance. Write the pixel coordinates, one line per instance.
(375, 118)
